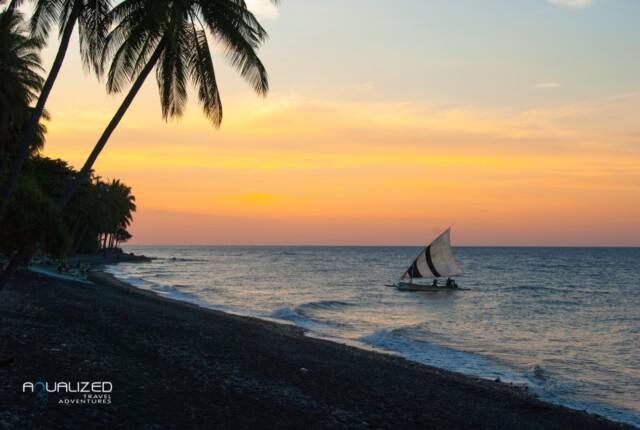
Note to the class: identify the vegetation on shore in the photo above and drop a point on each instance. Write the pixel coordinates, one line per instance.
(96, 218)
(45, 201)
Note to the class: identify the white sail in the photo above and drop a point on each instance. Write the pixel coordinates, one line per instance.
(435, 261)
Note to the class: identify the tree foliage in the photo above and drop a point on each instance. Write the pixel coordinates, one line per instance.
(32, 215)
(20, 79)
(97, 217)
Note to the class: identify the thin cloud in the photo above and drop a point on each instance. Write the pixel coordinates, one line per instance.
(264, 9)
(609, 120)
(576, 4)
(547, 85)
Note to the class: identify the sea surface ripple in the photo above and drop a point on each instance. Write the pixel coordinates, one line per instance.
(563, 321)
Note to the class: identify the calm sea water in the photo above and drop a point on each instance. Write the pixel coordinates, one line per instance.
(563, 321)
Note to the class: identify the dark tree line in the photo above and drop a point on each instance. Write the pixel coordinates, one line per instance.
(98, 214)
(96, 217)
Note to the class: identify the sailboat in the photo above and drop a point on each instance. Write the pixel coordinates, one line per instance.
(435, 261)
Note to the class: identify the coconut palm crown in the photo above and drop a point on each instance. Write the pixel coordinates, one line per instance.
(20, 74)
(175, 36)
(64, 14)
(172, 37)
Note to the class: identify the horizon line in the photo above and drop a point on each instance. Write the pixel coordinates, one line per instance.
(370, 246)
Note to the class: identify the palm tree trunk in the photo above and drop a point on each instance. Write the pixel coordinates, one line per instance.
(74, 231)
(32, 127)
(79, 242)
(83, 174)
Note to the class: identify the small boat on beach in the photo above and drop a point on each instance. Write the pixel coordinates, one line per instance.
(73, 275)
(435, 261)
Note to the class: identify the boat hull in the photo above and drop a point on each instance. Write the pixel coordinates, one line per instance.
(408, 286)
(73, 277)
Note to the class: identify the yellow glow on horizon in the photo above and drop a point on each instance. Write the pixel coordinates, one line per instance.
(366, 166)
(372, 138)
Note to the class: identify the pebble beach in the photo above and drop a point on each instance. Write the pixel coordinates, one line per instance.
(171, 364)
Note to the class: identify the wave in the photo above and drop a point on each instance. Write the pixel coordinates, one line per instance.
(138, 282)
(290, 315)
(173, 292)
(575, 394)
(323, 312)
(540, 374)
(145, 274)
(419, 333)
(324, 304)
(530, 288)
(304, 316)
(440, 356)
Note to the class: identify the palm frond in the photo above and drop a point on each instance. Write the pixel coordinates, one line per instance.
(45, 15)
(93, 28)
(203, 75)
(240, 35)
(172, 76)
(130, 43)
(70, 11)
(20, 71)
(180, 30)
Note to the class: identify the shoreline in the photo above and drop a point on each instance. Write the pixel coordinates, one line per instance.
(109, 277)
(206, 366)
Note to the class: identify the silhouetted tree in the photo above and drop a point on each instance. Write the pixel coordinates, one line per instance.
(172, 37)
(65, 14)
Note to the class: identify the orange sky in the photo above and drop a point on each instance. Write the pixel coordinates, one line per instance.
(359, 163)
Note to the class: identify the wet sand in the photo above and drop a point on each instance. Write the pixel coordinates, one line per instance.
(175, 365)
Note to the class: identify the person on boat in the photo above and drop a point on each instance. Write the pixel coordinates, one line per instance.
(449, 283)
(435, 283)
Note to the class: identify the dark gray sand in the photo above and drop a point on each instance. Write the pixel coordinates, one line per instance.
(174, 365)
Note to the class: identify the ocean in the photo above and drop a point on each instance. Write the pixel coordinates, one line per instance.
(563, 321)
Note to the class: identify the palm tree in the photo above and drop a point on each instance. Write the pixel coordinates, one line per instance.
(120, 205)
(20, 79)
(89, 14)
(173, 38)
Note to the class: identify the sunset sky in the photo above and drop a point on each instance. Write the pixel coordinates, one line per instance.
(388, 121)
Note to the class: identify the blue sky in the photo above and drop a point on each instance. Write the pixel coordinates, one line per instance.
(469, 52)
